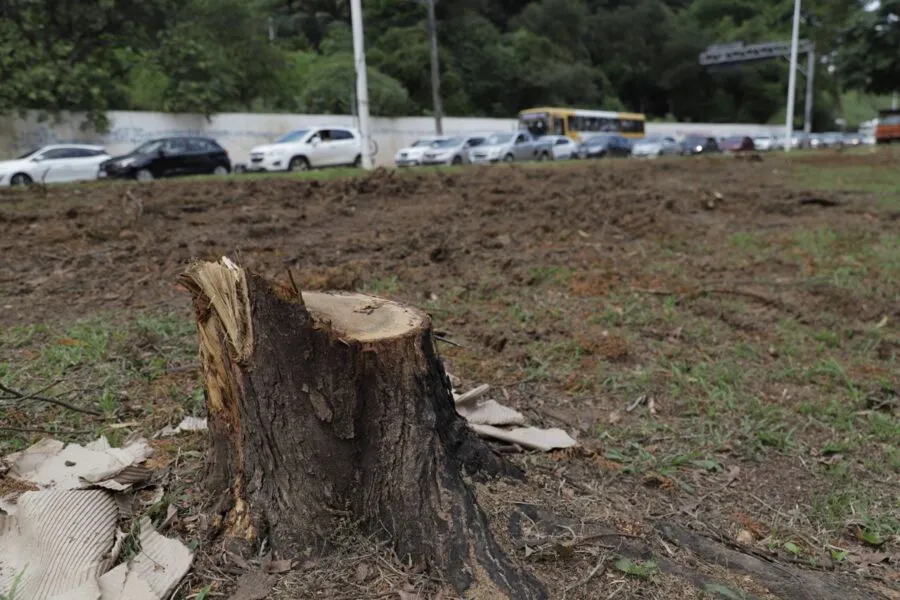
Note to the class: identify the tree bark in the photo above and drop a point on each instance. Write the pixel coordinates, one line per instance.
(327, 405)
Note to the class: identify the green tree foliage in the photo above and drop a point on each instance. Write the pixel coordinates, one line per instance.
(870, 56)
(496, 56)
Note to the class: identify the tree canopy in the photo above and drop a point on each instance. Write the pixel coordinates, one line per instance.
(497, 56)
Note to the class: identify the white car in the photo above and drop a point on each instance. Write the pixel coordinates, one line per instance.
(556, 147)
(57, 163)
(311, 148)
(764, 142)
(411, 156)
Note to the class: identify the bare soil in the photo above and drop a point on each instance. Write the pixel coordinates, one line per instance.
(749, 321)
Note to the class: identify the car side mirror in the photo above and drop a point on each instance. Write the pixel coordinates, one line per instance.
(161, 152)
(37, 159)
(314, 141)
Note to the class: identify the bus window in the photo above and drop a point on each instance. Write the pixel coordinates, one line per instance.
(559, 126)
(632, 126)
(537, 124)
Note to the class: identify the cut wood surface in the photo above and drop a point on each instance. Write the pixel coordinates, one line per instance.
(334, 405)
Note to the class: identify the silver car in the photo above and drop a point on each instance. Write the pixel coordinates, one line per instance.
(555, 147)
(451, 151)
(506, 147)
(411, 155)
(655, 145)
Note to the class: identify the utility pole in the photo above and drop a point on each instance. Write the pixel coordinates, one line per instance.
(435, 71)
(810, 75)
(792, 80)
(362, 84)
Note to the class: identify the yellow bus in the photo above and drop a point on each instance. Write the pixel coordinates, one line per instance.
(575, 122)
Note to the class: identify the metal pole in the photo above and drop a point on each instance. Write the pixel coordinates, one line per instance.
(435, 71)
(792, 80)
(362, 85)
(894, 101)
(810, 77)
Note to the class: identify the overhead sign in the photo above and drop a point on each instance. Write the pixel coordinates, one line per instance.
(737, 52)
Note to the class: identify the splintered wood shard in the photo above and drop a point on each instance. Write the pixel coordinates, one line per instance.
(337, 403)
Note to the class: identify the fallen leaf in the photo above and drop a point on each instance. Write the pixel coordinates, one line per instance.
(71, 342)
(253, 586)
(744, 537)
(279, 566)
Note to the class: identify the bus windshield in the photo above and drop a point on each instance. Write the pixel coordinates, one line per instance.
(537, 124)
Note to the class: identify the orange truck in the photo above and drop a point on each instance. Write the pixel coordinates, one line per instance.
(888, 128)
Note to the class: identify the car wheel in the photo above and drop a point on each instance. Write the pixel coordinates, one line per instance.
(298, 163)
(144, 175)
(457, 160)
(220, 170)
(508, 158)
(357, 162)
(20, 179)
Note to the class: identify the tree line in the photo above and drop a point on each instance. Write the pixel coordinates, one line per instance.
(497, 56)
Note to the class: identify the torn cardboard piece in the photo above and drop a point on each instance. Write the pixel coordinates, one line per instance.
(58, 543)
(50, 464)
(490, 412)
(151, 575)
(533, 438)
(486, 416)
(187, 424)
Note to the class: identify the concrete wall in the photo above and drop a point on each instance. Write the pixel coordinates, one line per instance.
(238, 133)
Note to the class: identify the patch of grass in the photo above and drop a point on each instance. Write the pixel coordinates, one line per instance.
(852, 175)
(382, 285)
(102, 364)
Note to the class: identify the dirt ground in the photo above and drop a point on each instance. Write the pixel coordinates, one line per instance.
(720, 335)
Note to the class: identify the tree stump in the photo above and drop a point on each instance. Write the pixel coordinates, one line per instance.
(329, 405)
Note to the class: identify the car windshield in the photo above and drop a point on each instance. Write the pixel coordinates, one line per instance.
(293, 136)
(448, 143)
(735, 139)
(149, 147)
(652, 139)
(27, 154)
(499, 138)
(597, 140)
(694, 140)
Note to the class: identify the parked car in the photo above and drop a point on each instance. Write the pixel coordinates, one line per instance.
(764, 142)
(452, 151)
(506, 147)
(411, 155)
(833, 139)
(169, 157)
(653, 146)
(310, 148)
(699, 144)
(57, 163)
(737, 143)
(556, 147)
(604, 145)
(853, 139)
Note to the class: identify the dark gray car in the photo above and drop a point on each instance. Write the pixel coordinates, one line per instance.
(605, 145)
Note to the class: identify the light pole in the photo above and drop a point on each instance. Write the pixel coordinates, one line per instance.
(362, 84)
(435, 71)
(792, 80)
